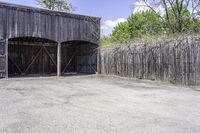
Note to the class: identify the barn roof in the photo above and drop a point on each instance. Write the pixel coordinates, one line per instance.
(44, 11)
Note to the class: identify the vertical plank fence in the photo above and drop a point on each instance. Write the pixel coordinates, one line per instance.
(176, 60)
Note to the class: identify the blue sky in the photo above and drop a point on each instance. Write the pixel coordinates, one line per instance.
(111, 11)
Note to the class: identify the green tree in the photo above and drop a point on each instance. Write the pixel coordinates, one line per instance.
(177, 16)
(182, 23)
(57, 5)
(194, 26)
(178, 22)
(138, 25)
(121, 32)
(144, 23)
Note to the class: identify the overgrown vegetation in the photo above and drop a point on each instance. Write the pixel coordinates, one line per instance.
(179, 18)
(172, 81)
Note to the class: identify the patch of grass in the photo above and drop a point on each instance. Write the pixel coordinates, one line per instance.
(152, 78)
(109, 41)
(172, 81)
(139, 77)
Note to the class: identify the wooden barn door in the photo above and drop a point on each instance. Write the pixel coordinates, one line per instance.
(3, 58)
(32, 60)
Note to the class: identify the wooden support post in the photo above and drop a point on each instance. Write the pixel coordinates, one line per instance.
(59, 59)
(6, 54)
(98, 61)
(77, 59)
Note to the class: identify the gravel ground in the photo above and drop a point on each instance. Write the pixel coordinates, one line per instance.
(97, 104)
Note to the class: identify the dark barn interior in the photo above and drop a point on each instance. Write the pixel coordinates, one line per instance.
(32, 56)
(79, 57)
(28, 56)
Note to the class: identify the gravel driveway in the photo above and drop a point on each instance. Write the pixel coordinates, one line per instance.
(97, 104)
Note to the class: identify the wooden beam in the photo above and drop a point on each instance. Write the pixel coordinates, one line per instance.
(6, 54)
(59, 59)
(47, 52)
(86, 60)
(69, 62)
(98, 62)
(15, 64)
(34, 59)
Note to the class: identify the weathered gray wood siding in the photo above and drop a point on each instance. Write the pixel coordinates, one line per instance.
(21, 21)
(3, 58)
(173, 60)
(34, 24)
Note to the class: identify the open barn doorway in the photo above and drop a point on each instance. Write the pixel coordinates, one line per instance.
(30, 56)
(79, 57)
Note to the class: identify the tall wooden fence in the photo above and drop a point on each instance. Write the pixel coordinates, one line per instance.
(175, 60)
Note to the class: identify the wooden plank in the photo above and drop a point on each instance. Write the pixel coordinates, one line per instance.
(59, 59)
(6, 58)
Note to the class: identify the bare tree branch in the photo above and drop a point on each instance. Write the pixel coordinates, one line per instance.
(176, 12)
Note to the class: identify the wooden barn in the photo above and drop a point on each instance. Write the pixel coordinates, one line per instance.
(36, 41)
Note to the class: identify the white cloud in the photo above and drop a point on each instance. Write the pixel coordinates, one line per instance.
(141, 6)
(112, 24)
(108, 25)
